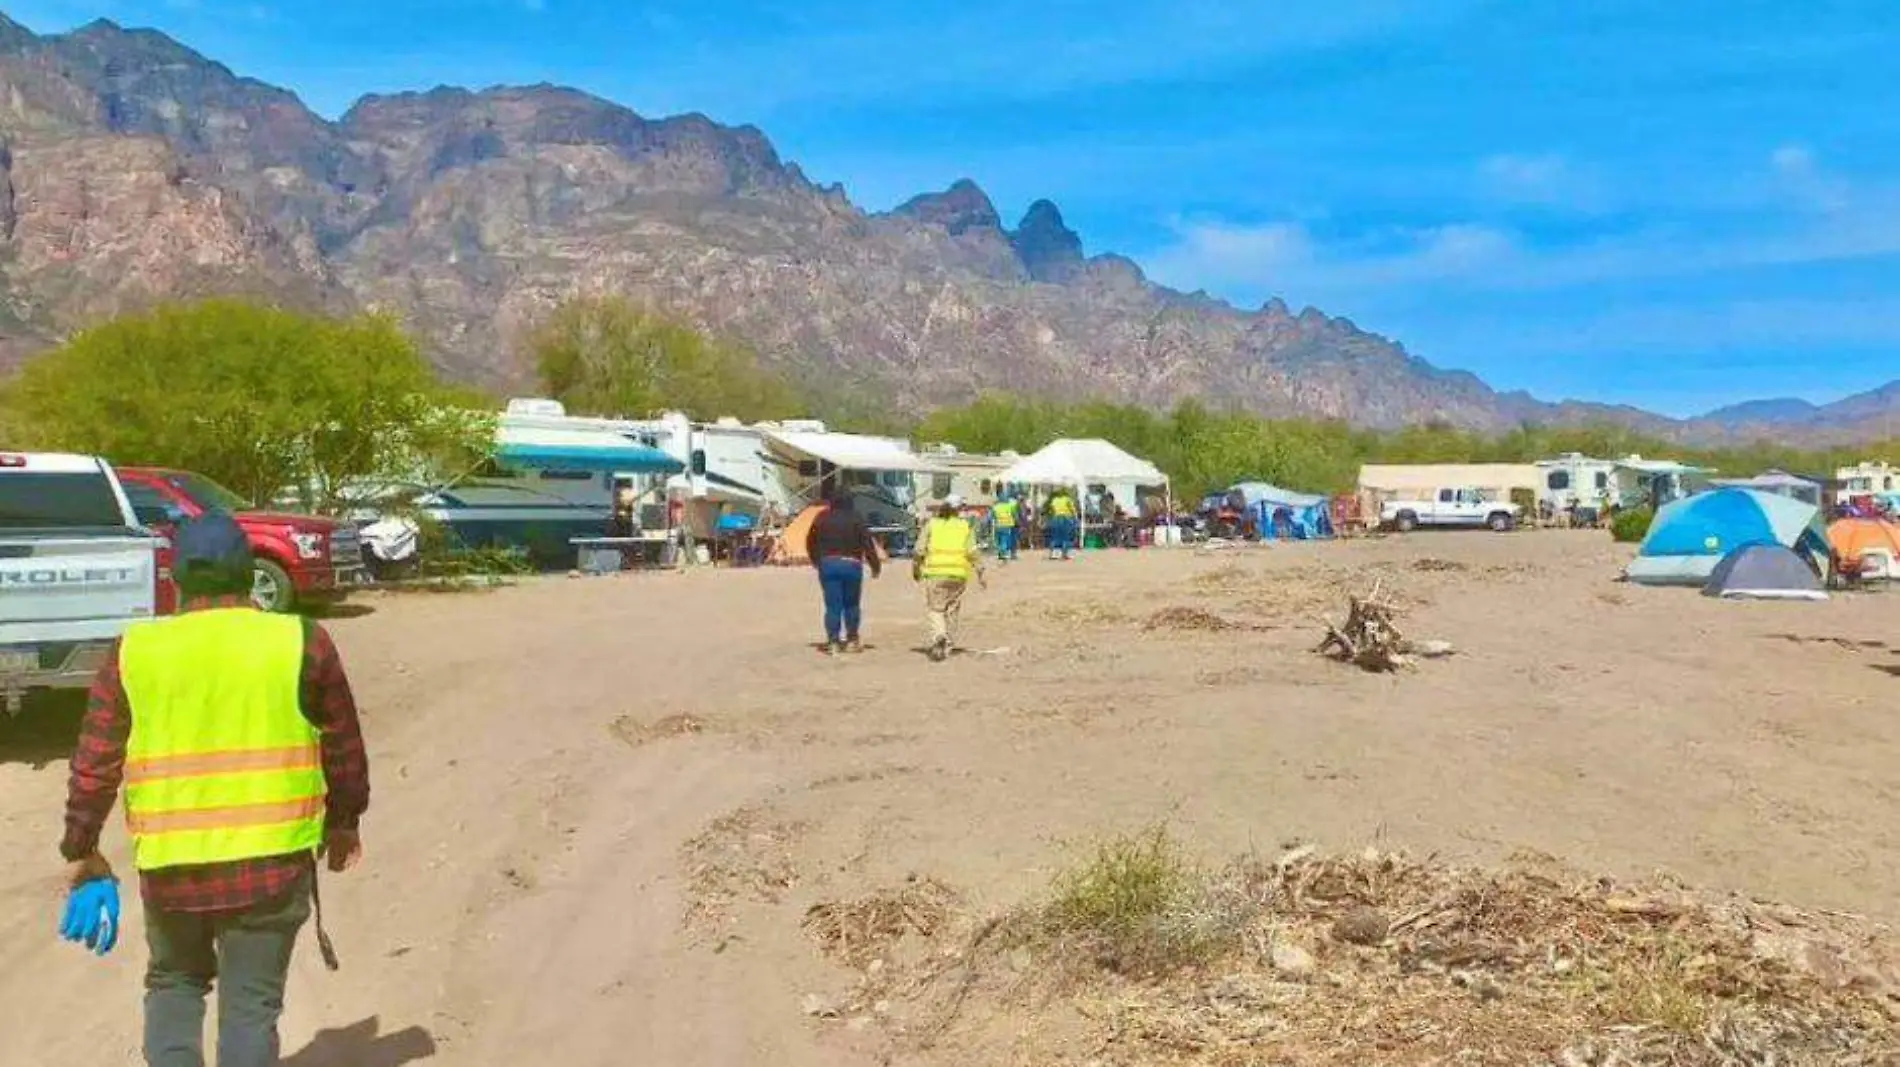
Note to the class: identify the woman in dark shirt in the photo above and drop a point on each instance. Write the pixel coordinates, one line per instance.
(841, 547)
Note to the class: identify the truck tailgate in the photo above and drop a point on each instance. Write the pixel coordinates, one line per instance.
(56, 587)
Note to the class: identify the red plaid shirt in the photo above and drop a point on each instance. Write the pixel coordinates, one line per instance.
(98, 768)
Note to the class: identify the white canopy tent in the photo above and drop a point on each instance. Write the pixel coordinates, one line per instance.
(1078, 463)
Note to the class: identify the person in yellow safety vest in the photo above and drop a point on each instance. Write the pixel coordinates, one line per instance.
(1005, 514)
(1063, 525)
(237, 742)
(946, 559)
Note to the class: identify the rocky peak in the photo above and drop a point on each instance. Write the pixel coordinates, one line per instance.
(1275, 308)
(964, 206)
(127, 49)
(1050, 251)
(13, 36)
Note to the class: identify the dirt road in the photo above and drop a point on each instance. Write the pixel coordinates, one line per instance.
(602, 806)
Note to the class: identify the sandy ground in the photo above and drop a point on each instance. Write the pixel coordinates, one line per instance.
(602, 806)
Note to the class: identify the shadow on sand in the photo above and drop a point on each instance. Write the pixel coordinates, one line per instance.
(363, 1045)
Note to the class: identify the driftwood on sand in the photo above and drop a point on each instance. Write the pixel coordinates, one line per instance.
(1370, 639)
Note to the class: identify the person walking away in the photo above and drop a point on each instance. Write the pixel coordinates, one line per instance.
(945, 561)
(236, 739)
(840, 547)
(1062, 525)
(1006, 514)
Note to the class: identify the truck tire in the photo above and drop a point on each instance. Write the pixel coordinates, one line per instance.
(1405, 522)
(271, 587)
(1500, 522)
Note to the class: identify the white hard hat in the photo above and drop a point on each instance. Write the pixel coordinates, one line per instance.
(953, 501)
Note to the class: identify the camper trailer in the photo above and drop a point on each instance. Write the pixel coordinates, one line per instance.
(880, 472)
(970, 475)
(1574, 480)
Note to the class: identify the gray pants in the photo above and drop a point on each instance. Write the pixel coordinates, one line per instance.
(247, 953)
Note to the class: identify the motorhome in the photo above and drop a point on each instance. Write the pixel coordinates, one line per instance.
(552, 477)
(1651, 483)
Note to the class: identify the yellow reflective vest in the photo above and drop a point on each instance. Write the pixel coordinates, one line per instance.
(221, 764)
(1005, 513)
(947, 548)
(1062, 507)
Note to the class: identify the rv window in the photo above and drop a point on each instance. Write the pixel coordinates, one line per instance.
(940, 486)
(567, 476)
(808, 468)
(490, 469)
(699, 461)
(894, 479)
(1603, 479)
(1558, 481)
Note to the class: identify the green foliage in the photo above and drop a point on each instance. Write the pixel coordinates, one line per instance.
(1139, 905)
(1630, 527)
(603, 354)
(257, 398)
(1203, 450)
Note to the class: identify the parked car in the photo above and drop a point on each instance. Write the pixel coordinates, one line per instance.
(301, 559)
(75, 571)
(1451, 508)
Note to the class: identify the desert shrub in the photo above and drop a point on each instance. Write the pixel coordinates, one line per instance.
(1139, 905)
(1630, 527)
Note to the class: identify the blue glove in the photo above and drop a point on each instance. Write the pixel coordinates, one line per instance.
(92, 915)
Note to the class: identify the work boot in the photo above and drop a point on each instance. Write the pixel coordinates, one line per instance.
(853, 645)
(940, 650)
(834, 648)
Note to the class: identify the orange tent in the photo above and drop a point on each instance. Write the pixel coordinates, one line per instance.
(790, 549)
(791, 544)
(1875, 541)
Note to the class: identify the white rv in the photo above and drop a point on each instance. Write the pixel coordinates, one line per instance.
(552, 476)
(1575, 480)
(880, 472)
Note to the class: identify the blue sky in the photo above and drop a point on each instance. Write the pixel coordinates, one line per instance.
(1677, 203)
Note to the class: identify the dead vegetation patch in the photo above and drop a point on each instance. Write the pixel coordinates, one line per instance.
(1084, 613)
(1314, 960)
(1431, 564)
(633, 733)
(862, 931)
(743, 857)
(1181, 618)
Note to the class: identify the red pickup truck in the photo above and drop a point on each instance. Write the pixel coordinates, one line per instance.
(301, 559)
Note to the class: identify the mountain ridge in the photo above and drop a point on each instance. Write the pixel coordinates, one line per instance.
(138, 169)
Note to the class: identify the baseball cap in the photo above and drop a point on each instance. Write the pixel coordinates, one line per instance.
(211, 541)
(953, 501)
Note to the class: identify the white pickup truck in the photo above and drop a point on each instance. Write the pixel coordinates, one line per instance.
(75, 570)
(1451, 508)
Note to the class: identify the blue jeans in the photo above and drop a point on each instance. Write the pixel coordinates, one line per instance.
(1006, 542)
(843, 583)
(1062, 535)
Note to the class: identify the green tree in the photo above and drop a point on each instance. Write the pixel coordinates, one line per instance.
(604, 355)
(258, 398)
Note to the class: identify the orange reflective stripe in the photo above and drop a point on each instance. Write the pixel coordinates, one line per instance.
(167, 822)
(236, 761)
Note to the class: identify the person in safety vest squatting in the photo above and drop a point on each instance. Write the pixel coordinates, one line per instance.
(945, 560)
(235, 737)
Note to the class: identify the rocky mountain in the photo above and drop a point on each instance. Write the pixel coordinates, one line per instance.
(133, 169)
(1875, 413)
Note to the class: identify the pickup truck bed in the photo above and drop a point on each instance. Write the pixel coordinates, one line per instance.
(75, 571)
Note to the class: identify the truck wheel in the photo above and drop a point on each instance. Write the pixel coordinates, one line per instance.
(1500, 521)
(271, 587)
(1406, 522)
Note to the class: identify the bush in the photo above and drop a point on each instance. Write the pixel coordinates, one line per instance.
(1630, 527)
(1140, 906)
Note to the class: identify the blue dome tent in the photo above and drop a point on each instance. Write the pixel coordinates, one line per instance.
(1691, 536)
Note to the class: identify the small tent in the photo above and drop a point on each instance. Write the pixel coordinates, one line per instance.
(1764, 572)
(1689, 537)
(1875, 542)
